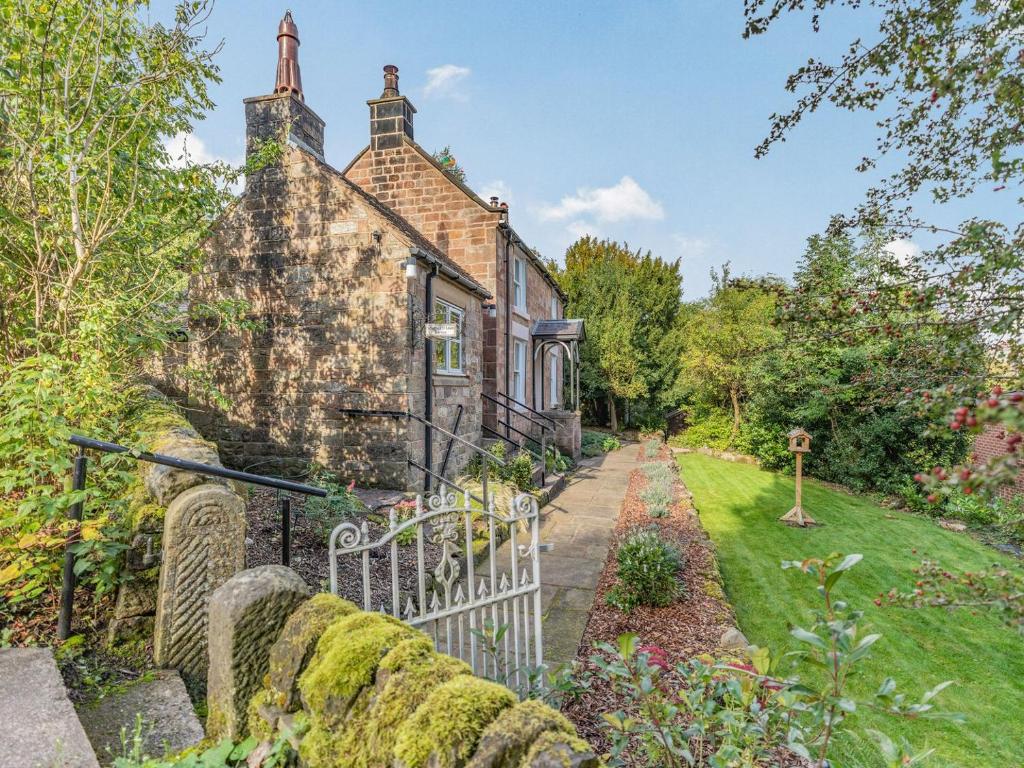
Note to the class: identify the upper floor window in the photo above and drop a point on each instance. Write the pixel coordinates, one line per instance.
(554, 307)
(519, 283)
(448, 352)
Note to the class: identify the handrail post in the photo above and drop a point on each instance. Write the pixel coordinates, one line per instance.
(286, 530)
(67, 587)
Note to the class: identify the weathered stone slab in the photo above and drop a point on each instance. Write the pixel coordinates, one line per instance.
(169, 724)
(247, 614)
(163, 482)
(38, 725)
(204, 545)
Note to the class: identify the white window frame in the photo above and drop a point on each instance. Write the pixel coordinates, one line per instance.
(519, 371)
(554, 307)
(445, 312)
(519, 283)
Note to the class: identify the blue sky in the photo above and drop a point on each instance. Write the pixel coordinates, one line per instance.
(630, 120)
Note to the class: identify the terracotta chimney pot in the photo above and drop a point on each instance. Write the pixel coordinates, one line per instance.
(288, 78)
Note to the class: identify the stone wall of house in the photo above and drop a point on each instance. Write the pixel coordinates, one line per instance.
(467, 230)
(347, 687)
(990, 446)
(450, 390)
(324, 276)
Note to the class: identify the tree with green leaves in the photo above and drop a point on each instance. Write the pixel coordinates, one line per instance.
(630, 302)
(99, 233)
(446, 159)
(849, 396)
(947, 79)
(722, 336)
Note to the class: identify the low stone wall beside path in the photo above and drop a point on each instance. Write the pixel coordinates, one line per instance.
(187, 538)
(365, 690)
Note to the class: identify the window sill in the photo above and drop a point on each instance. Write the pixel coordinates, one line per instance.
(451, 379)
(521, 313)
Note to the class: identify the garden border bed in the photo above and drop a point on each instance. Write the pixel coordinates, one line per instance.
(700, 622)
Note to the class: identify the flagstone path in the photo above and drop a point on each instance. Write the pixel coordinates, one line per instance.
(578, 525)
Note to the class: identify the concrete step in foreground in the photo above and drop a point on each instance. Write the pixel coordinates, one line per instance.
(39, 726)
(169, 724)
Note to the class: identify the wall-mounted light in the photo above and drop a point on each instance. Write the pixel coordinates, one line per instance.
(491, 309)
(412, 269)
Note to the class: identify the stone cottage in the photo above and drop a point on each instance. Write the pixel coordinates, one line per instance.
(343, 271)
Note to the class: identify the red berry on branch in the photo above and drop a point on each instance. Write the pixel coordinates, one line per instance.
(970, 421)
(992, 402)
(932, 498)
(955, 425)
(997, 390)
(1016, 397)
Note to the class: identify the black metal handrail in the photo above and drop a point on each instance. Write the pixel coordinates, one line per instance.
(198, 467)
(448, 483)
(488, 456)
(517, 405)
(69, 580)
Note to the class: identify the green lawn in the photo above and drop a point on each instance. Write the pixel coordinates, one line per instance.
(739, 505)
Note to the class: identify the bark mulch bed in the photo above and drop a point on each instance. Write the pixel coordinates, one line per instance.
(692, 626)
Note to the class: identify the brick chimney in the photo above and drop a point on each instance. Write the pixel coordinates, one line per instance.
(285, 110)
(390, 115)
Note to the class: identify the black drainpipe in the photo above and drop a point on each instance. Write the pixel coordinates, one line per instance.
(508, 329)
(428, 381)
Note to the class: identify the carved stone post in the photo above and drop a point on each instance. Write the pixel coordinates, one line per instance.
(247, 614)
(203, 546)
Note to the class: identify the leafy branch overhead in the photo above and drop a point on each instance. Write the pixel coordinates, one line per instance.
(947, 79)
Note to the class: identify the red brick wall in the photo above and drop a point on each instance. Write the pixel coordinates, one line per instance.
(991, 444)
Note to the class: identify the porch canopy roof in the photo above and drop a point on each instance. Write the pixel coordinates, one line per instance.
(565, 334)
(558, 330)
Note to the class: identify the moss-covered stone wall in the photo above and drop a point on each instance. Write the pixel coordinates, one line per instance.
(365, 690)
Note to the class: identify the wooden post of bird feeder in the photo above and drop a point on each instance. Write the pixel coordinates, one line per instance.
(799, 443)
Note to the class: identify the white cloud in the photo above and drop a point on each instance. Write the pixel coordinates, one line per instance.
(623, 201)
(691, 247)
(903, 250)
(445, 80)
(188, 149)
(579, 228)
(499, 189)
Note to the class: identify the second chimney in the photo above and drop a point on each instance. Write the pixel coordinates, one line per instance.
(390, 115)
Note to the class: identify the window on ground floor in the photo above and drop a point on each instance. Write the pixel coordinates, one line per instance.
(519, 371)
(448, 352)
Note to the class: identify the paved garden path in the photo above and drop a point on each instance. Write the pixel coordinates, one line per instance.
(579, 523)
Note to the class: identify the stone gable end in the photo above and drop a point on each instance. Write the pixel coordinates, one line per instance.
(420, 192)
(324, 276)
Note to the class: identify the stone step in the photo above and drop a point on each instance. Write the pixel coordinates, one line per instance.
(169, 724)
(40, 728)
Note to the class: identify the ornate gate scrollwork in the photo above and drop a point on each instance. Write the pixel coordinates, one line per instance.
(483, 607)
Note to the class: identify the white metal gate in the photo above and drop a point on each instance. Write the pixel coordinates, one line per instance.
(487, 614)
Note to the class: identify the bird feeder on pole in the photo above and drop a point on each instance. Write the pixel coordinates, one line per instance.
(799, 443)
